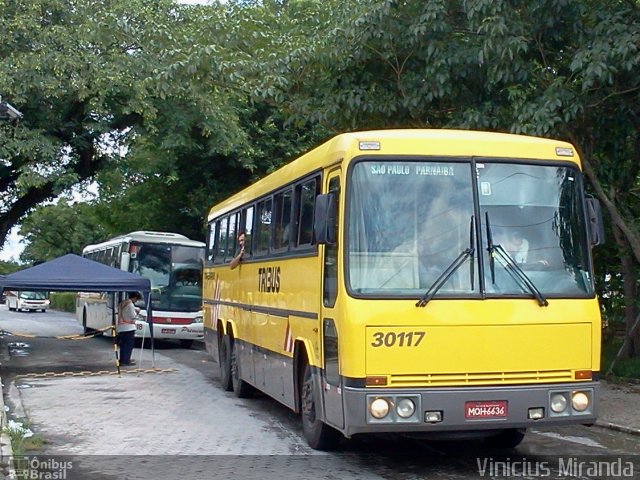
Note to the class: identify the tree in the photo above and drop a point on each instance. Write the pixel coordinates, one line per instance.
(175, 172)
(89, 77)
(55, 230)
(8, 267)
(210, 133)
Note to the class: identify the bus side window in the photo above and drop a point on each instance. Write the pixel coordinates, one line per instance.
(263, 227)
(211, 240)
(330, 284)
(248, 229)
(112, 257)
(282, 224)
(305, 201)
(221, 244)
(231, 236)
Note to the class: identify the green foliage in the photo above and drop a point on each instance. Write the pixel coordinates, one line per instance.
(23, 441)
(192, 127)
(64, 301)
(171, 188)
(8, 267)
(55, 230)
(88, 77)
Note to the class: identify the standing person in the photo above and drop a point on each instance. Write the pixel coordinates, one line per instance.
(126, 327)
(238, 258)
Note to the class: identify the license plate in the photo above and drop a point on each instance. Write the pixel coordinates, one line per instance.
(486, 409)
(168, 330)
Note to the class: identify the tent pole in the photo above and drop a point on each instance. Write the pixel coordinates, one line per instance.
(113, 331)
(150, 323)
(144, 337)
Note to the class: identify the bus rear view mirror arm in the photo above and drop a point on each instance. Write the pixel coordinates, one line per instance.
(324, 219)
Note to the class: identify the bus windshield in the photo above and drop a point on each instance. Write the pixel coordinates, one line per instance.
(408, 222)
(34, 295)
(175, 274)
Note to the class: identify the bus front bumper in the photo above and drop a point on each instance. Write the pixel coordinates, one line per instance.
(469, 408)
(192, 331)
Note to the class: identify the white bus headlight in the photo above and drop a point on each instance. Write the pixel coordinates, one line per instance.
(405, 408)
(558, 403)
(580, 401)
(379, 408)
(197, 319)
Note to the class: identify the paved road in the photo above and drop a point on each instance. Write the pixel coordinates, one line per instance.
(180, 424)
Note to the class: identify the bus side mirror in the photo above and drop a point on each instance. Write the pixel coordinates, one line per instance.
(596, 225)
(324, 219)
(125, 258)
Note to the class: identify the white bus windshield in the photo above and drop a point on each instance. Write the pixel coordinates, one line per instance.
(175, 274)
(408, 221)
(34, 295)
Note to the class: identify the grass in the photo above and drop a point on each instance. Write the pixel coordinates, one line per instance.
(64, 301)
(23, 442)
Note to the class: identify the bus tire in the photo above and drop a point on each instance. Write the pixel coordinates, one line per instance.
(224, 360)
(318, 434)
(509, 438)
(240, 388)
(85, 329)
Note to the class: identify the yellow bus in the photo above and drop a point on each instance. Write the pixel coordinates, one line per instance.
(432, 282)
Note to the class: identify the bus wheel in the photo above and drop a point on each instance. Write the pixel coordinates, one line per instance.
(318, 434)
(224, 360)
(510, 438)
(85, 329)
(241, 388)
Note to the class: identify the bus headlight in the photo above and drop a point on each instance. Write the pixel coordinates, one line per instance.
(558, 402)
(197, 319)
(405, 408)
(379, 408)
(580, 401)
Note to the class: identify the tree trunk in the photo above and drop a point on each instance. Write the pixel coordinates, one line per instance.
(628, 240)
(632, 346)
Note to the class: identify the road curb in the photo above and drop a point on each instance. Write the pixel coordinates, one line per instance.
(617, 428)
(6, 452)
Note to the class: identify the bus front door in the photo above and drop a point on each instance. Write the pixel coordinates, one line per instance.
(332, 392)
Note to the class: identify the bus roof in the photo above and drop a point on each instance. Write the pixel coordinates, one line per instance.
(147, 237)
(454, 143)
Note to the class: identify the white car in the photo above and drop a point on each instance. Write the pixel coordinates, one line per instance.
(31, 301)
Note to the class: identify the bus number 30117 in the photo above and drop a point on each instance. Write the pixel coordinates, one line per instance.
(402, 339)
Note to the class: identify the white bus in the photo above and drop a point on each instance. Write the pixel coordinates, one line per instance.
(173, 264)
(31, 301)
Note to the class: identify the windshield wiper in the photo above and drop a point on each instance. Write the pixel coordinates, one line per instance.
(492, 263)
(472, 242)
(450, 270)
(512, 268)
